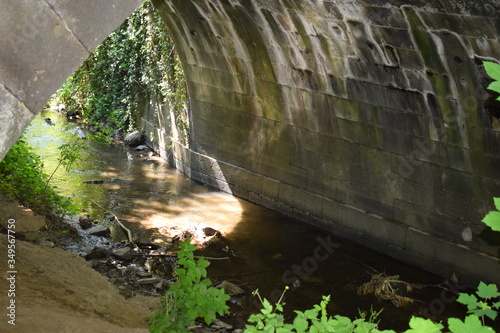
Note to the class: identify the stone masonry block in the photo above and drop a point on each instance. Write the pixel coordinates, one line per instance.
(386, 16)
(242, 177)
(367, 200)
(443, 226)
(399, 38)
(466, 25)
(455, 256)
(354, 131)
(332, 211)
(376, 227)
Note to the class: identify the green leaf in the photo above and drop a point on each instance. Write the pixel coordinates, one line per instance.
(487, 291)
(300, 324)
(470, 300)
(311, 313)
(421, 325)
(471, 324)
(492, 219)
(496, 201)
(495, 86)
(485, 311)
(493, 69)
(268, 308)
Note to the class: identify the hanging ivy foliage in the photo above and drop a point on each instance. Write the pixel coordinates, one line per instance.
(136, 61)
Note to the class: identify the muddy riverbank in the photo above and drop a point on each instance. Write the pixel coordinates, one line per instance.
(52, 290)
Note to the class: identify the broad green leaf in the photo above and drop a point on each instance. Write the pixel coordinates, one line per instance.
(469, 300)
(311, 313)
(192, 313)
(493, 69)
(469, 325)
(492, 219)
(490, 313)
(487, 291)
(497, 203)
(268, 308)
(209, 318)
(495, 86)
(300, 324)
(421, 325)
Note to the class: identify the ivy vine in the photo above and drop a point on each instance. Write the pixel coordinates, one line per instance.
(137, 61)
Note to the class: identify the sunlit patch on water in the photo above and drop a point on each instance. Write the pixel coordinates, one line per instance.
(221, 211)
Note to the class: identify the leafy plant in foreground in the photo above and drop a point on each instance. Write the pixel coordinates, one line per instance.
(317, 320)
(484, 305)
(190, 297)
(271, 319)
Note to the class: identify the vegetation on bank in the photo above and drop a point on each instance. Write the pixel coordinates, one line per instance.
(135, 63)
(22, 177)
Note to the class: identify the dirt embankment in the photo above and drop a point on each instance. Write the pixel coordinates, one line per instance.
(57, 291)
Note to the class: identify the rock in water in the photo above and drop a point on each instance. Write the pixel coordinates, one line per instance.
(230, 288)
(97, 252)
(49, 121)
(85, 222)
(124, 253)
(134, 139)
(141, 148)
(99, 230)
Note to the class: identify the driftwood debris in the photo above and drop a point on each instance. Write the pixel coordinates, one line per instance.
(127, 230)
(389, 288)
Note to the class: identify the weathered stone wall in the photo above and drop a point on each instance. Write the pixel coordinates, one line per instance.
(43, 42)
(367, 118)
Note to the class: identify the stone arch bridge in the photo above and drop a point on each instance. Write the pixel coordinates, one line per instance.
(367, 118)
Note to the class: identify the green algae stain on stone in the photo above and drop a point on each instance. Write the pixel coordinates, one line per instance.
(437, 73)
(256, 46)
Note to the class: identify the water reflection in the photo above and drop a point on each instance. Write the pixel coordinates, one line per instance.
(135, 187)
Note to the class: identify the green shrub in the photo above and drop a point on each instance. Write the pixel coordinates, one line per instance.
(190, 297)
(22, 177)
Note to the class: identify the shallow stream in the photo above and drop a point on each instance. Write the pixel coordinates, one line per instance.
(267, 250)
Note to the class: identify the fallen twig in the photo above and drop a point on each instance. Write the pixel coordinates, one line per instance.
(127, 230)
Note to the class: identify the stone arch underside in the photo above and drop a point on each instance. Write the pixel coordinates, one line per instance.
(366, 118)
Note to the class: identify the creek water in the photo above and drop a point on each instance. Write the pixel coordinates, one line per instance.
(268, 251)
